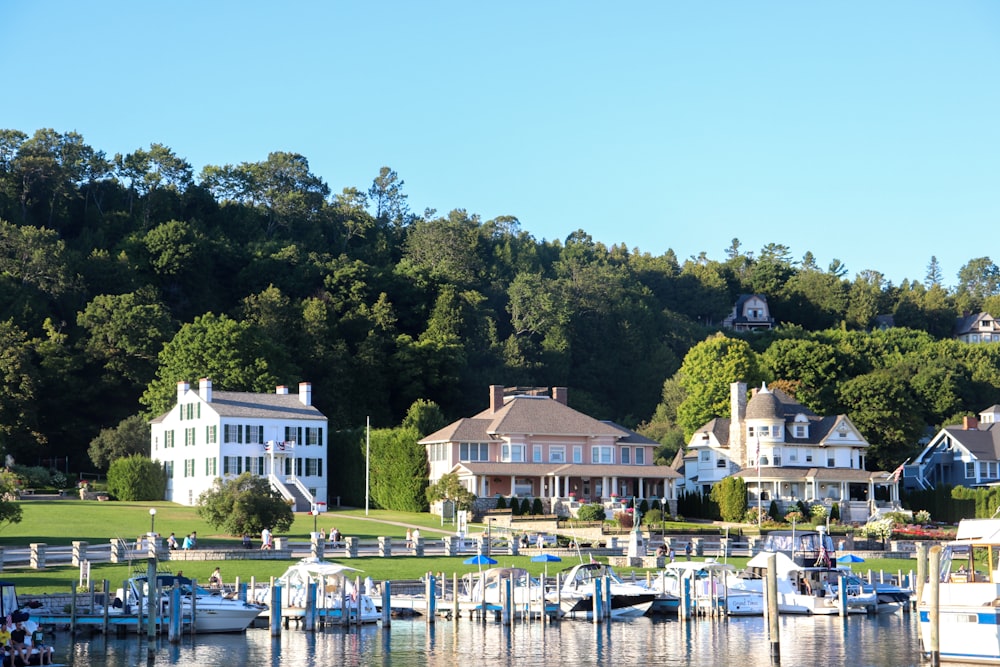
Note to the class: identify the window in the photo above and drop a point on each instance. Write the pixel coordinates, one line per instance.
(793, 456)
(254, 434)
(536, 453)
(189, 437)
(211, 434)
(625, 455)
(830, 463)
(557, 454)
(640, 456)
(749, 431)
(970, 469)
(809, 456)
(764, 460)
(314, 435)
(211, 466)
(168, 468)
(314, 467)
(720, 463)
(473, 451)
(168, 439)
(800, 430)
(232, 465)
(705, 455)
(293, 434)
(577, 454)
(988, 469)
(763, 430)
(512, 453)
(602, 454)
(232, 433)
(189, 467)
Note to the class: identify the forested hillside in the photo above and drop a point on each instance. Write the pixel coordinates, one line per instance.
(121, 275)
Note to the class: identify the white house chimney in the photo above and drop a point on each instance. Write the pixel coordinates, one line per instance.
(182, 388)
(305, 393)
(205, 389)
(737, 418)
(281, 390)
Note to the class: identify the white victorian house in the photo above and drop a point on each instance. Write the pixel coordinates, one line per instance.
(786, 452)
(210, 434)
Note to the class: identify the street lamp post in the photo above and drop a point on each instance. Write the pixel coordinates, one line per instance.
(152, 521)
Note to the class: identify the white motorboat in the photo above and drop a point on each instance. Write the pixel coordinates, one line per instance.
(213, 611)
(336, 594)
(808, 590)
(577, 593)
(709, 588)
(968, 596)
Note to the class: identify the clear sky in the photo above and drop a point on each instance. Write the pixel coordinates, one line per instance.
(865, 131)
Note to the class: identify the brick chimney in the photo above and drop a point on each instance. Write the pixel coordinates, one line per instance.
(281, 390)
(496, 397)
(970, 423)
(182, 388)
(561, 395)
(737, 420)
(305, 393)
(205, 389)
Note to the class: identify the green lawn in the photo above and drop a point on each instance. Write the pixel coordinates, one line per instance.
(60, 522)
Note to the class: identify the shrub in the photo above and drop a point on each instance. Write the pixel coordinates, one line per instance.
(515, 506)
(525, 507)
(794, 516)
(774, 512)
(536, 507)
(652, 517)
(591, 512)
(818, 513)
(624, 519)
(137, 477)
(501, 503)
(922, 517)
(730, 495)
(835, 512)
(643, 506)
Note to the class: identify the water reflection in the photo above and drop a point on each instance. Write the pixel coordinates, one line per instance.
(888, 641)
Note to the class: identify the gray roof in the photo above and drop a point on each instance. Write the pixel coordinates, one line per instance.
(970, 323)
(765, 405)
(248, 405)
(567, 469)
(982, 442)
(528, 415)
(824, 474)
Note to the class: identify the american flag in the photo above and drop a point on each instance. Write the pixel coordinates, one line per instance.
(898, 472)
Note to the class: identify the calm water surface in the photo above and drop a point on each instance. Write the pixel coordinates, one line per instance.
(886, 641)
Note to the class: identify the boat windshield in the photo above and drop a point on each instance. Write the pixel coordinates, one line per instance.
(966, 563)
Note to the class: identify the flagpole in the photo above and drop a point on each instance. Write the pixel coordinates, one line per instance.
(760, 494)
(368, 458)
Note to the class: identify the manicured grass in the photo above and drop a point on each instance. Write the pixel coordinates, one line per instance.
(60, 522)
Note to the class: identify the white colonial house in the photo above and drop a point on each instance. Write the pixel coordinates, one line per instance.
(786, 452)
(210, 434)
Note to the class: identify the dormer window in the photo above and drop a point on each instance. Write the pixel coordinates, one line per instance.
(764, 431)
(800, 430)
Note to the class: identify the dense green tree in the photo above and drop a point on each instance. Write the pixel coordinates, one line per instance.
(706, 373)
(882, 406)
(136, 477)
(126, 332)
(129, 437)
(398, 470)
(246, 504)
(234, 355)
(424, 416)
(814, 365)
(731, 496)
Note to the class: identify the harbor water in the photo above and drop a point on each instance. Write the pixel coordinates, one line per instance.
(883, 641)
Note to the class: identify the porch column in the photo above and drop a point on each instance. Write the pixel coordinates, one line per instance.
(642, 488)
(513, 479)
(614, 486)
(604, 487)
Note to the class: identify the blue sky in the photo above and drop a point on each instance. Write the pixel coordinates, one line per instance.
(863, 131)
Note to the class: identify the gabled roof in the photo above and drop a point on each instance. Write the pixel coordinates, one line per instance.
(529, 415)
(631, 437)
(982, 442)
(718, 427)
(969, 324)
(248, 405)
